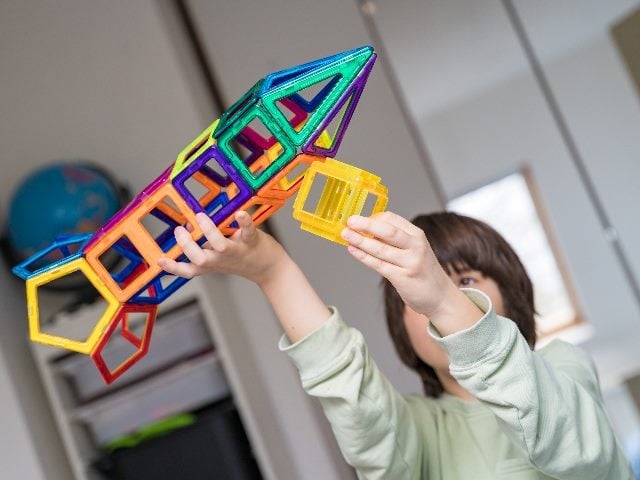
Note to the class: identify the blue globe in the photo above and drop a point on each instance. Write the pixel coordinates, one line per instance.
(68, 197)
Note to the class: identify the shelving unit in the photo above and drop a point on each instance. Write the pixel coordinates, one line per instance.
(183, 372)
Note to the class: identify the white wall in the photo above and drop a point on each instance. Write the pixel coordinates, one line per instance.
(91, 80)
(24, 414)
(597, 98)
(19, 459)
(479, 126)
(28, 429)
(101, 81)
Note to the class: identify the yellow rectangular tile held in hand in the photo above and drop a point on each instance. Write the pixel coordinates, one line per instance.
(344, 194)
(132, 228)
(35, 332)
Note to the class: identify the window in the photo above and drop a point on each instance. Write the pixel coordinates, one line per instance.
(509, 206)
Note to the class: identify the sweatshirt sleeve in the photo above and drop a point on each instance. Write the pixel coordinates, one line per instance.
(372, 422)
(553, 412)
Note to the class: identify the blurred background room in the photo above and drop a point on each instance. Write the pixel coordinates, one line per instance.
(522, 113)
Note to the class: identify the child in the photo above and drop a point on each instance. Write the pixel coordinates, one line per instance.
(494, 409)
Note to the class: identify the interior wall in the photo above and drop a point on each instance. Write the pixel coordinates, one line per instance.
(597, 98)
(18, 457)
(95, 81)
(80, 80)
(24, 414)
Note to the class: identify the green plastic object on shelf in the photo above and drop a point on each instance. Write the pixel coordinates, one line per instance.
(152, 430)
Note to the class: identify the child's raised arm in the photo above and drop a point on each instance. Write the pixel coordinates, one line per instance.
(258, 257)
(374, 425)
(400, 252)
(550, 407)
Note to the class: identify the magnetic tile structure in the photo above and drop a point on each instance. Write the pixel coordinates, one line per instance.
(278, 140)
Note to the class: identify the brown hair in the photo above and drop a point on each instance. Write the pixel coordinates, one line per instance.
(462, 243)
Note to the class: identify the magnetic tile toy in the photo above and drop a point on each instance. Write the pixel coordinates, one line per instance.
(277, 141)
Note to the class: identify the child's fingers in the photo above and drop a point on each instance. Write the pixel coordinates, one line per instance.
(387, 270)
(381, 229)
(374, 247)
(190, 248)
(181, 269)
(216, 240)
(398, 221)
(248, 230)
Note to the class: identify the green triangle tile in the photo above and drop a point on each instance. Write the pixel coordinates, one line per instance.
(346, 69)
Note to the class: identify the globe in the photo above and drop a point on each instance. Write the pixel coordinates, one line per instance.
(61, 198)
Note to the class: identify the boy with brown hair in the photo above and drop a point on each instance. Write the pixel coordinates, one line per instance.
(494, 408)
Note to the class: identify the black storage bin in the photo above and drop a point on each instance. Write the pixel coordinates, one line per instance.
(214, 447)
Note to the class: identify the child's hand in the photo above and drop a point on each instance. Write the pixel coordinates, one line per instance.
(400, 252)
(249, 252)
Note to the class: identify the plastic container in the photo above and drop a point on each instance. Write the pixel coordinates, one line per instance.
(178, 334)
(185, 387)
(215, 446)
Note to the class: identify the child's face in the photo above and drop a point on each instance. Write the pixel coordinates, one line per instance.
(416, 324)
(475, 279)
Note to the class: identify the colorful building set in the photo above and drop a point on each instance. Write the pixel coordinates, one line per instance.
(274, 142)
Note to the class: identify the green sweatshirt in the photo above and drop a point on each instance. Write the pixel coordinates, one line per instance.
(538, 415)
